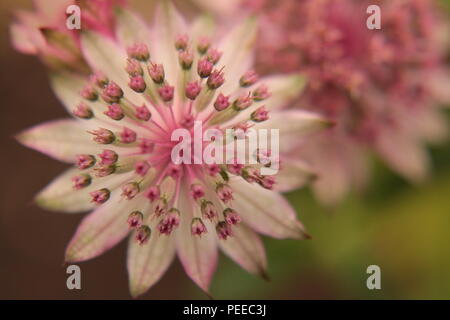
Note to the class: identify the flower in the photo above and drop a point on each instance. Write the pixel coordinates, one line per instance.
(383, 88)
(168, 207)
(43, 32)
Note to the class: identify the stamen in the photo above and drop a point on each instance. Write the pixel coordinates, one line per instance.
(166, 92)
(193, 90)
(104, 170)
(99, 79)
(261, 93)
(223, 230)
(142, 113)
(156, 72)
(243, 102)
(115, 112)
(100, 196)
(143, 234)
(83, 111)
(186, 58)
(169, 222)
(197, 191)
(138, 51)
(81, 181)
(135, 219)
(204, 68)
(267, 182)
(249, 78)
(208, 210)
(181, 42)
(235, 168)
(259, 115)
(127, 135)
(137, 83)
(221, 102)
(213, 55)
(161, 206)
(89, 93)
(141, 168)
(224, 192)
(153, 193)
(231, 216)
(103, 136)
(146, 146)
(215, 80)
(85, 161)
(203, 45)
(112, 93)
(198, 227)
(130, 190)
(134, 68)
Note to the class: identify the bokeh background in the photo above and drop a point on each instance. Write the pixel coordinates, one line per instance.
(402, 228)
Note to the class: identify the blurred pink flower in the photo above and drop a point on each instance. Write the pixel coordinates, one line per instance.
(43, 32)
(145, 87)
(383, 88)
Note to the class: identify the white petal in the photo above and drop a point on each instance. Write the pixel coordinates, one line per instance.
(246, 248)
(265, 211)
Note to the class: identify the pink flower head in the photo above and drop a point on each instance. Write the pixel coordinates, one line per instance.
(142, 139)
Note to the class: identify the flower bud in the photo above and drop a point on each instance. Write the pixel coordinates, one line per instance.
(81, 181)
(198, 227)
(137, 84)
(231, 216)
(100, 196)
(193, 90)
(138, 51)
(143, 234)
(208, 210)
(259, 115)
(166, 92)
(197, 191)
(181, 42)
(135, 219)
(213, 55)
(204, 68)
(141, 168)
(103, 170)
(112, 93)
(185, 58)
(261, 93)
(103, 136)
(83, 111)
(215, 80)
(85, 161)
(156, 72)
(223, 230)
(130, 190)
(169, 222)
(153, 193)
(203, 45)
(127, 135)
(142, 113)
(242, 103)
(221, 102)
(134, 68)
(249, 78)
(89, 93)
(108, 157)
(115, 112)
(224, 192)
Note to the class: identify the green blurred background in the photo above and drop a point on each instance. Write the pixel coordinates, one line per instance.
(404, 229)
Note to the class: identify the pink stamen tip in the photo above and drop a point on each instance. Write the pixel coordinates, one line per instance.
(135, 219)
(169, 222)
(222, 102)
(212, 169)
(187, 121)
(166, 92)
(83, 111)
(208, 210)
(115, 112)
(181, 42)
(259, 115)
(213, 55)
(193, 90)
(203, 45)
(174, 171)
(146, 146)
(153, 193)
(198, 227)
(185, 59)
(156, 72)
(138, 51)
(134, 68)
(108, 157)
(231, 216)
(215, 80)
(249, 78)
(267, 182)
(160, 207)
(224, 192)
(100, 196)
(104, 170)
(142, 113)
(223, 230)
(99, 79)
(143, 234)
(197, 191)
(130, 190)
(81, 181)
(137, 83)
(89, 92)
(243, 102)
(112, 93)
(127, 135)
(261, 93)
(85, 161)
(141, 168)
(204, 68)
(235, 168)
(103, 136)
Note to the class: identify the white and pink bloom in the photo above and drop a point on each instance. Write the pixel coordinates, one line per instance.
(383, 88)
(147, 83)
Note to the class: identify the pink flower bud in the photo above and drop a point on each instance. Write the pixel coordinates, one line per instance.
(215, 80)
(208, 210)
(85, 161)
(223, 230)
(127, 135)
(160, 207)
(115, 112)
(89, 93)
(153, 193)
(174, 171)
(112, 93)
(146, 146)
(166, 92)
(135, 219)
(261, 93)
(259, 115)
(224, 192)
(141, 168)
(267, 182)
(204, 68)
(235, 168)
(142, 113)
(134, 68)
(100, 196)
(103, 136)
(186, 58)
(143, 234)
(243, 102)
(103, 170)
(130, 190)
(213, 55)
(181, 42)
(221, 102)
(138, 51)
(81, 181)
(156, 72)
(137, 83)
(197, 191)
(99, 79)
(212, 169)
(249, 78)
(203, 45)
(198, 227)
(231, 216)
(187, 121)
(169, 222)
(193, 90)
(108, 157)
(83, 111)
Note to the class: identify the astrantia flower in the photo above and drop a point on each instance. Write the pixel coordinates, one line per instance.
(383, 88)
(149, 83)
(43, 32)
